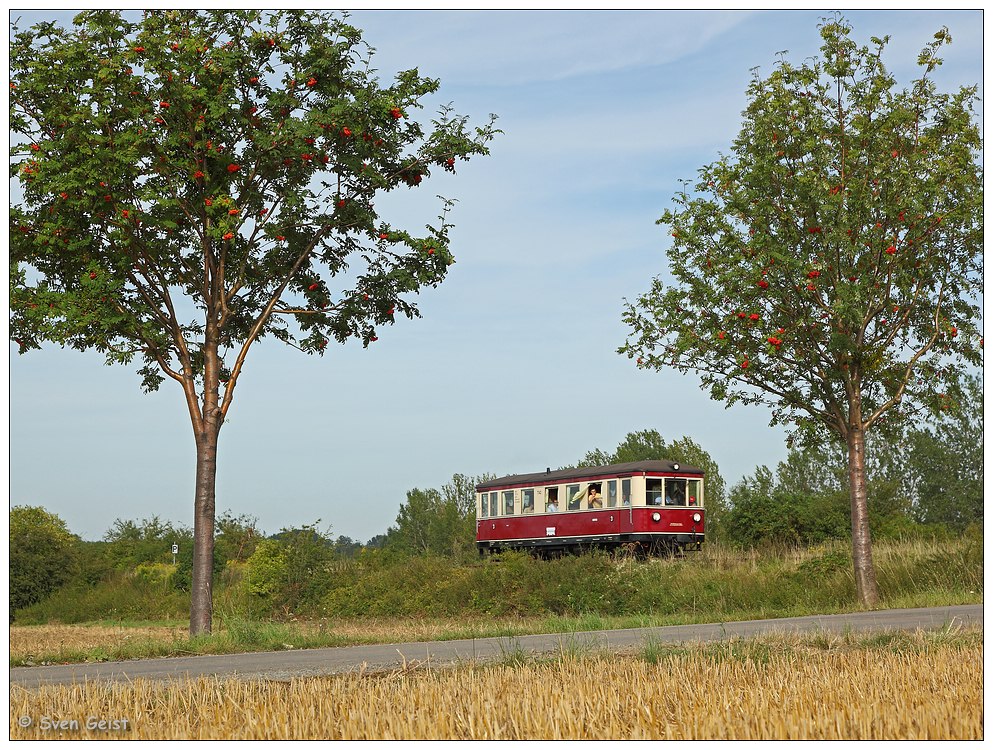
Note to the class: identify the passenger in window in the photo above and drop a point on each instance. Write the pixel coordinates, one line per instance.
(528, 500)
(626, 502)
(692, 500)
(596, 501)
(552, 504)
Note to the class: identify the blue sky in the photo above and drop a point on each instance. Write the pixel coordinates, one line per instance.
(513, 367)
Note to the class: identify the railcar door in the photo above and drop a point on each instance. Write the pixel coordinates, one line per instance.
(625, 517)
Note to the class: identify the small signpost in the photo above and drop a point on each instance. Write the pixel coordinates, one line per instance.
(175, 551)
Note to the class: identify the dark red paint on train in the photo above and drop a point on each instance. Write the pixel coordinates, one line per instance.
(651, 506)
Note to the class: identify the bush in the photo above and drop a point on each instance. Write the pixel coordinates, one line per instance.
(43, 555)
(290, 572)
(266, 572)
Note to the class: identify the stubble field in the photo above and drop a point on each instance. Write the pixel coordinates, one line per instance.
(883, 686)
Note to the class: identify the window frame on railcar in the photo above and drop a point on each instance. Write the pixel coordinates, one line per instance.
(683, 487)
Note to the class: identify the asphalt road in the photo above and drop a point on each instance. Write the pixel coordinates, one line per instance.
(284, 665)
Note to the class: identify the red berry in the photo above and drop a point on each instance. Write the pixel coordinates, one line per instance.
(397, 114)
(890, 250)
(229, 236)
(313, 286)
(164, 105)
(233, 168)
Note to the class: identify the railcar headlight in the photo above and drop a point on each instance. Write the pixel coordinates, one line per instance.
(696, 518)
(656, 517)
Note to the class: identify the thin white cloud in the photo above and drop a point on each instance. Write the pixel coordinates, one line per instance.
(513, 48)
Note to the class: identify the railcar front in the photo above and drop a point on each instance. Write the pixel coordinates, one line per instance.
(651, 506)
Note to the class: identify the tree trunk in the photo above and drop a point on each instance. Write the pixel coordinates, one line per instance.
(865, 573)
(201, 592)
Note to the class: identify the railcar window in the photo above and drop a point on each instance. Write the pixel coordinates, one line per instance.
(575, 498)
(653, 492)
(675, 492)
(594, 495)
(612, 493)
(482, 505)
(508, 502)
(527, 501)
(626, 492)
(493, 503)
(552, 503)
(693, 487)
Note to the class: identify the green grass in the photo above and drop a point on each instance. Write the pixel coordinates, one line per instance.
(520, 596)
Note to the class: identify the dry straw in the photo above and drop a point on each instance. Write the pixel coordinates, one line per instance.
(918, 688)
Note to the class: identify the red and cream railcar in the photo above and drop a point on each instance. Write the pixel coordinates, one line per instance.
(648, 505)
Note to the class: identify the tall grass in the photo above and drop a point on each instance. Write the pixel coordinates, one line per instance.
(716, 583)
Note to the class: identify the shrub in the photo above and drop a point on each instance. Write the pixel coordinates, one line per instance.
(42, 555)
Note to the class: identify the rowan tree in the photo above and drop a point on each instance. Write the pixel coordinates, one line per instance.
(830, 266)
(195, 181)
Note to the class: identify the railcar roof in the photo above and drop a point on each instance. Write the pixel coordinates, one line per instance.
(554, 477)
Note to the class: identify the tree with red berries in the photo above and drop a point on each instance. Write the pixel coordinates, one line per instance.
(198, 180)
(831, 266)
